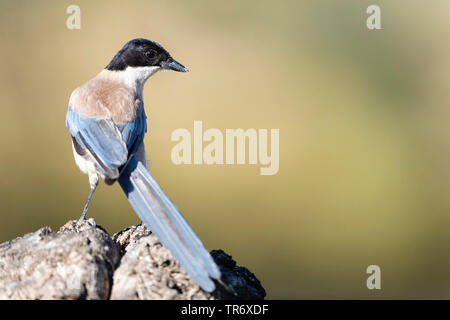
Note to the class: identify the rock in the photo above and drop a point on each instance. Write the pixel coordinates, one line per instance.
(77, 262)
(244, 283)
(81, 261)
(147, 270)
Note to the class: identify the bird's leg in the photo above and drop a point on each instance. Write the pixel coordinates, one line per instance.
(93, 181)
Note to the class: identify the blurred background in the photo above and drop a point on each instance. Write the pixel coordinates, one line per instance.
(364, 151)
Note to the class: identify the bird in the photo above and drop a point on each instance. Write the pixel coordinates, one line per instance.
(107, 123)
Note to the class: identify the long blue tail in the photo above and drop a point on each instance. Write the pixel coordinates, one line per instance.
(161, 216)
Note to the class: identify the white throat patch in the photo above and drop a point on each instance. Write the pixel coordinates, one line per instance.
(136, 76)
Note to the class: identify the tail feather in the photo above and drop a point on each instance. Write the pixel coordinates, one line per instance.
(161, 216)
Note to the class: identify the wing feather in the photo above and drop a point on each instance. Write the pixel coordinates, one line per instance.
(109, 143)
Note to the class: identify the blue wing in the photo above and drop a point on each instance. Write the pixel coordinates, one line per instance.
(133, 132)
(109, 143)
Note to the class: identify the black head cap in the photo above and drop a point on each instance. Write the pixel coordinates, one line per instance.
(143, 53)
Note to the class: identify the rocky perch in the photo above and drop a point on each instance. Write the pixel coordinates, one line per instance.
(81, 261)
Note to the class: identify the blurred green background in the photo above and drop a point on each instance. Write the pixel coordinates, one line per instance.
(364, 151)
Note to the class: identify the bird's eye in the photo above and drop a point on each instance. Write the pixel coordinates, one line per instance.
(150, 53)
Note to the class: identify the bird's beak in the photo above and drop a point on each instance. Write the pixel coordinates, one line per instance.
(171, 64)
